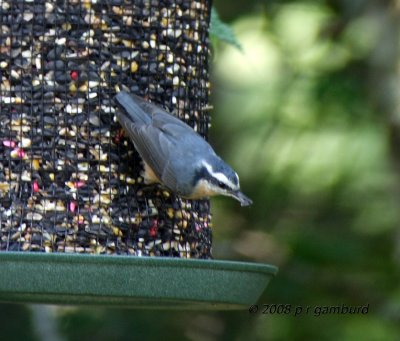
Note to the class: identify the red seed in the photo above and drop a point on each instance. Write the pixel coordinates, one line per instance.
(9, 143)
(79, 184)
(153, 232)
(35, 186)
(153, 229)
(72, 206)
(20, 153)
(118, 136)
(74, 75)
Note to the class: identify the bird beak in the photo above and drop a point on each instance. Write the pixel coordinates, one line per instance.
(239, 196)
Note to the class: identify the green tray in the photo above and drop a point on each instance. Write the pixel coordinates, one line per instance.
(145, 282)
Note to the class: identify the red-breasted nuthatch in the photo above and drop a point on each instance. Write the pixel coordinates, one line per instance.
(174, 154)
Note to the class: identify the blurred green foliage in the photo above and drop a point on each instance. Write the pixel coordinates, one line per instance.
(298, 116)
(307, 114)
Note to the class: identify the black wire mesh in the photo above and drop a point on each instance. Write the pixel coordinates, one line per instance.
(69, 178)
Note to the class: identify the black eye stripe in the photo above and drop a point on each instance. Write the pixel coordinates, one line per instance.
(222, 185)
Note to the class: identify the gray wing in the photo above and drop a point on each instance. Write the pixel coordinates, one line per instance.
(140, 111)
(155, 148)
(156, 139)
(182, 144)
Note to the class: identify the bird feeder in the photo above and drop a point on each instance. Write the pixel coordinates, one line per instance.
(77, 223)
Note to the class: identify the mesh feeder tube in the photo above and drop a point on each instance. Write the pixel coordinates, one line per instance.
(69, 178)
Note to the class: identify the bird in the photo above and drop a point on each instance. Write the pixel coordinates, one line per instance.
(173, 154)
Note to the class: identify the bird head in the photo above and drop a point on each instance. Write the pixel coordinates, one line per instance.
(218, 178)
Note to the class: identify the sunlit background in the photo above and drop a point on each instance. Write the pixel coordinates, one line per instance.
(308, 114)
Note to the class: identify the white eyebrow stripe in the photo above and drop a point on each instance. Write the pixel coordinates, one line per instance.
(222, 177)
(219, 176)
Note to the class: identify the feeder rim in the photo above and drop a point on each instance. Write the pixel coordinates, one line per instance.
(131, 281)
(143, 260)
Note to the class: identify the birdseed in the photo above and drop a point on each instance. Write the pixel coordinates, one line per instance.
(69, 178)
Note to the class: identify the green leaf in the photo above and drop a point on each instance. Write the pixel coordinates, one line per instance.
(222, 31)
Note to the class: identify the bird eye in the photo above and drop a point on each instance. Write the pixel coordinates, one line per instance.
(222, 185)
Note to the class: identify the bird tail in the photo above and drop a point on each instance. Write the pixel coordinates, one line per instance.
(134, 109)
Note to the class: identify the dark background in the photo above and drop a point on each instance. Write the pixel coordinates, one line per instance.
(308, 114)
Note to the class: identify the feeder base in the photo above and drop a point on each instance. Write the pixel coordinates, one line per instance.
(141, 282)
